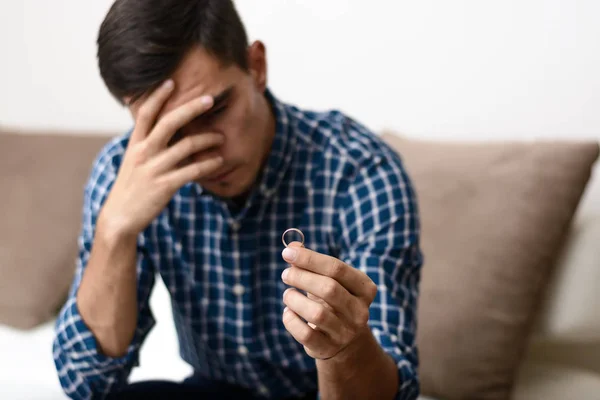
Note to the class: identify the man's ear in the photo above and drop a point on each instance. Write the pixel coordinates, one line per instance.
(257, 63)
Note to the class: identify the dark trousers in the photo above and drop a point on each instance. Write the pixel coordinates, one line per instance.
(195, 387)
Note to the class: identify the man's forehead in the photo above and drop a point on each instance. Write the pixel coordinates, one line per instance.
(181, 96)
(198, 74)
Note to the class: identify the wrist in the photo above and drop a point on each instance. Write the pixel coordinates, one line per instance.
(362, 370)
(113, 230)
(359, 351)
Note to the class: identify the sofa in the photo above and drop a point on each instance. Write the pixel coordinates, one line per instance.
(509, 294)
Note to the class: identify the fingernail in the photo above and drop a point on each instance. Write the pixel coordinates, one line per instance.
(284, 274)
(285, 310)
(168, 84)
(206, 100)
(289, 254)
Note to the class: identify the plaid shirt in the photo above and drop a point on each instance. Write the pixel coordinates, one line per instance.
(326, 175)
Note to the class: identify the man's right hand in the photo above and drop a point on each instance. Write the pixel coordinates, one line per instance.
(152, 172)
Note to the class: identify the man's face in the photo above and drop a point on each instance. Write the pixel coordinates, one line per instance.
(240, 113)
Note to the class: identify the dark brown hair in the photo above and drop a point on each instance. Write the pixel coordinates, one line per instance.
(141, 42)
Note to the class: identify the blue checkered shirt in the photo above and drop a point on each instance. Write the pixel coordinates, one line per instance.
(326, 175)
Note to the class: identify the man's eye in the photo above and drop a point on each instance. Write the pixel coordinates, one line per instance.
(210, 115)
(218, 111)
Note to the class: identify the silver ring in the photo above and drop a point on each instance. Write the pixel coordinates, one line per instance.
(292, 230)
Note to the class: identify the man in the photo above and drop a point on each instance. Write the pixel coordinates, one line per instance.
(200, 191)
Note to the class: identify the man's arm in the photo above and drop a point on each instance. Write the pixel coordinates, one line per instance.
(379, 253)
(111, 276)
(102, 326)
(379, 218)
(87, 361)
(361, 371)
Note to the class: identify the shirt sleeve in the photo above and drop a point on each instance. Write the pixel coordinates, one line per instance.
(84, 372)
(378, 224)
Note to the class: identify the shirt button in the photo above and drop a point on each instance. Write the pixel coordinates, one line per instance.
(262, 389)
(243, 350)
(393, 338)
(238, 289)
(235, 226)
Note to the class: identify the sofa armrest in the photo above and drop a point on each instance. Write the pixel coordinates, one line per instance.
(570, 310)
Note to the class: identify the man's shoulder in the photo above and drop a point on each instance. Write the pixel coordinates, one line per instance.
(342, 137)
(109, 158)
(108, 161)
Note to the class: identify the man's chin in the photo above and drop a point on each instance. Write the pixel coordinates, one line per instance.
(224, 190)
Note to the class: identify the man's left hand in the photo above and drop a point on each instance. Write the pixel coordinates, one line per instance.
(336, 308)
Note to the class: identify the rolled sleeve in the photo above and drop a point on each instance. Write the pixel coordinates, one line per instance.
(379, 231)
(83, 371)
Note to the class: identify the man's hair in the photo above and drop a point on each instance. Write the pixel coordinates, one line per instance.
(142, 42)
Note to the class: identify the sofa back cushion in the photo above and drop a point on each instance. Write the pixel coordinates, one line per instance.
(42, 177)
(494, 217)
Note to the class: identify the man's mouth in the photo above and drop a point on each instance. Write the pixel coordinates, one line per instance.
(221, 176)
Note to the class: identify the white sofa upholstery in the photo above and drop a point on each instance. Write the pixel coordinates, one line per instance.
(563, 361)
(571, 311)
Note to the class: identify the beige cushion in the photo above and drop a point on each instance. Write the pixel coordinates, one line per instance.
(494, 216)
(41, 181)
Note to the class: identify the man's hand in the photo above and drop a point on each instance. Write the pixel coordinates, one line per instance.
(336, 309)
(151, 172)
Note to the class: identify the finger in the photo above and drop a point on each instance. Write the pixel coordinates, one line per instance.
(184, 149)
(168, 125)
(147, 113)
(316, 342)
(316, 314)
(174, 180)
(356, 282)
(296, 244)
(327, 289)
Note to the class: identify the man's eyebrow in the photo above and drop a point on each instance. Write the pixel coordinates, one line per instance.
(219, 99)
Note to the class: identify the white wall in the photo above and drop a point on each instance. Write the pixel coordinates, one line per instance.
(451, 69)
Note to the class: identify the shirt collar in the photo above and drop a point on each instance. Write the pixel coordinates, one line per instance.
(282, 149)
(280, 155)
